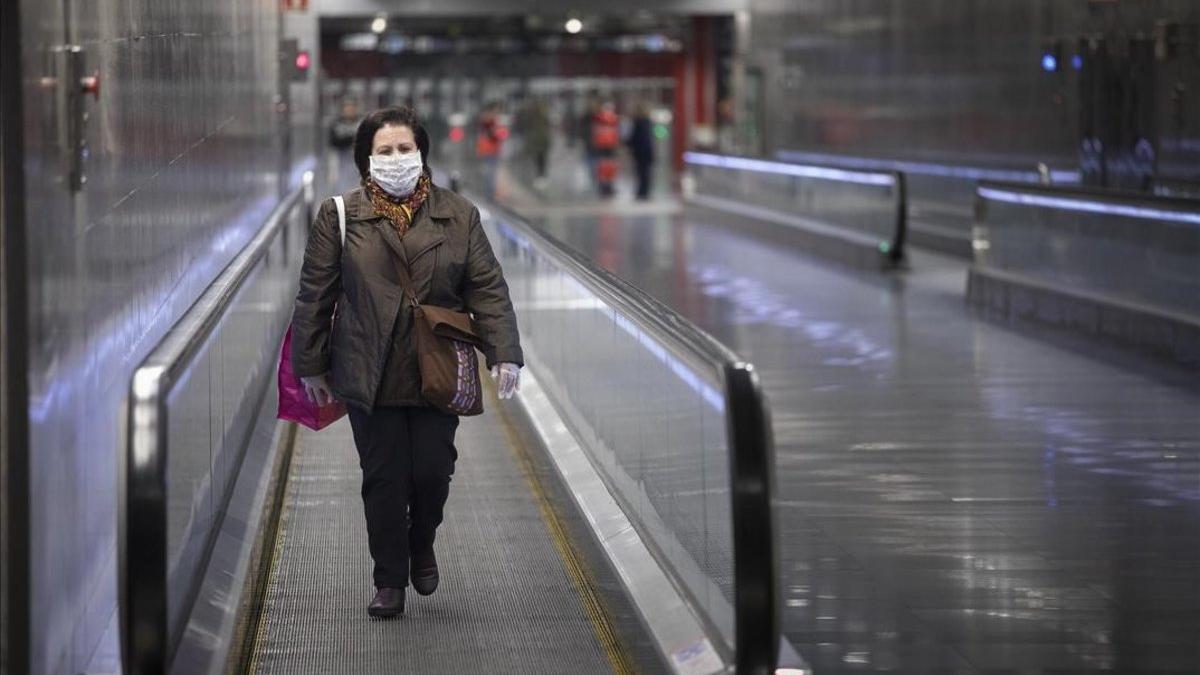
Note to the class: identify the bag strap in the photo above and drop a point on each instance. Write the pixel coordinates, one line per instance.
(341, 209)
(406, 285)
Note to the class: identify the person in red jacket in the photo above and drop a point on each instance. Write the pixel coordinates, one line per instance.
(489, 141)
(606, 138)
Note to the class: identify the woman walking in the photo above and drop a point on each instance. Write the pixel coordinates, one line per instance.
(367, 357)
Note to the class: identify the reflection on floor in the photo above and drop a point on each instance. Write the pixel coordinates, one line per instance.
(954, 496)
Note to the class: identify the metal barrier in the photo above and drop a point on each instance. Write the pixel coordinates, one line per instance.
(960, 173)
(1124, 266)
(675, 423)
(941, 196)
(863, 209)
(192, 403)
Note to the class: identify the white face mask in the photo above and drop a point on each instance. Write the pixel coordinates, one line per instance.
(397, 174)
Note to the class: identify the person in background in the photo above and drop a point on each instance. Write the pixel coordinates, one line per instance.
(368, 359)
(439, 130)
(585, 134)
(341, 137)
(570, 107)
(727, 141)
(641, 146)
(489, 141)
(533, 122)
(341, 132)
(606, 139)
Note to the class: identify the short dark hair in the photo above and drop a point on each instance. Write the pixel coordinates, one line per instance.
(401, 116)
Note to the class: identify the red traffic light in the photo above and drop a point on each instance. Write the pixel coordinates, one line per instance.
(303, 60)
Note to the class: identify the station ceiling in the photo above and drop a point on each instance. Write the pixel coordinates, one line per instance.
(477, 8)
(530, 26)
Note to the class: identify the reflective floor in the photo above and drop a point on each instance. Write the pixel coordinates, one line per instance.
(954, 496)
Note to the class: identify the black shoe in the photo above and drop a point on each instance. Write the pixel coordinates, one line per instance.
(424, 573)
(388, 602)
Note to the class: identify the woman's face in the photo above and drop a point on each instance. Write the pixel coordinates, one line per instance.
(393, 139)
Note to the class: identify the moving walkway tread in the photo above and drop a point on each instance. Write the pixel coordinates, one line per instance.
(510, 599)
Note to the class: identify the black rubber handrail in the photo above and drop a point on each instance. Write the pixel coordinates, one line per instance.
(146, 645)
(752, 487)
(900, 234)
(750, 441)
(16, 616)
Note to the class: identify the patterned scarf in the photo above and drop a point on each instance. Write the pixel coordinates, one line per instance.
(399, 210)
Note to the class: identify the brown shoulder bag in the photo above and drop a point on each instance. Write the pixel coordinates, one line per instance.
(446, 343)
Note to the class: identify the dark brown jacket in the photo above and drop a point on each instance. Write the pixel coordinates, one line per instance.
(369, 353)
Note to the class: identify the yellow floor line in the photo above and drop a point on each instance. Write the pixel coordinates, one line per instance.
(276, 549)
(602, 621)
(593, 605)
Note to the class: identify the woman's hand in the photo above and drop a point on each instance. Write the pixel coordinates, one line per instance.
(316, 387)
(507, 377)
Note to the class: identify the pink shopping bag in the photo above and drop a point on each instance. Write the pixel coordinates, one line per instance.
(294, 405)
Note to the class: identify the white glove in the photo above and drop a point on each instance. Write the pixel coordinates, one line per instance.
(507, 377)
(316, 387)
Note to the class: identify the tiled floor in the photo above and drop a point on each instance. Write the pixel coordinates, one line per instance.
(954, 496)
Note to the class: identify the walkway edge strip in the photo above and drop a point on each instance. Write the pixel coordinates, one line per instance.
(244, 659)
(603, 623)
(673, 625)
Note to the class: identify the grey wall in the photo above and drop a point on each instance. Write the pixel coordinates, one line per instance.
(946, 80)
(184, 166)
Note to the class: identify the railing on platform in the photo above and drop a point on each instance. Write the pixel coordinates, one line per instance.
(1123, 266)
(674, 421)
(866, 208)
(941, 195)
(191, 407)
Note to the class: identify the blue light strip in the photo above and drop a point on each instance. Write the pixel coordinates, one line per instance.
(930, 169)
(784, 169)
(1087, 206)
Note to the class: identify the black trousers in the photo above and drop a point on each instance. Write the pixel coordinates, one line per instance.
(407, 456)
(643, 178)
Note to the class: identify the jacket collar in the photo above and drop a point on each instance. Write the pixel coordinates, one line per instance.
(422, 236)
